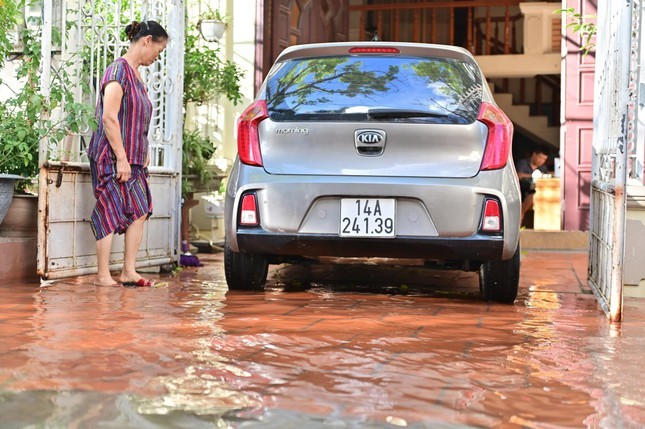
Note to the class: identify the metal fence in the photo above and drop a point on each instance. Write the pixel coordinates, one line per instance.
(617, 156)
(92, 40)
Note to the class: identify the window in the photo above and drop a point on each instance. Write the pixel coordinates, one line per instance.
(378, 88)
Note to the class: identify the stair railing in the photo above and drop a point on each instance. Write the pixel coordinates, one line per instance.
(490, 24)
(493, 45)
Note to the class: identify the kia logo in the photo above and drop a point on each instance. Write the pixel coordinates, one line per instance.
(369, 142)
(370, 136)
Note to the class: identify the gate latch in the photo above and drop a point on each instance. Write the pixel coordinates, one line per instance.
(59, 178)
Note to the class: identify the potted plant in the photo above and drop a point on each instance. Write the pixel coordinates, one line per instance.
(197, 151)
(206, 78)
(206, 75)
(212, 24)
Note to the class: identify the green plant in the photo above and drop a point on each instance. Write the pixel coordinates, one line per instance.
(584, 25)
(28, 115)
(206, 75)
(217, 195)
(196, 153)
(215, 15)
(206, 78)
(8, 21)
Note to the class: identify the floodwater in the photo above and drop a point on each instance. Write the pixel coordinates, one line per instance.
(363, 346)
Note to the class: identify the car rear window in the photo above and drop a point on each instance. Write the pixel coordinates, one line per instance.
(376, 88)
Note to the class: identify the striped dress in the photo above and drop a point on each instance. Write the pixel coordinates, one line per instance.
(119, 204)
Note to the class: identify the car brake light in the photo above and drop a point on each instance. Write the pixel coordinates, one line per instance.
(500, 136)
(248, 137)
(249, 213)
(492, 218)
(365, 50)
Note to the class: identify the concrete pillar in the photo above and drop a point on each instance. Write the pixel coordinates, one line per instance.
(538, 23)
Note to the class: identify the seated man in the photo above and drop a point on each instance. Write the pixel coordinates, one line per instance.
(526, 168)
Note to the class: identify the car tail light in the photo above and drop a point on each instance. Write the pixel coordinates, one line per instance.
(249, 212)
(492, 216)
(500, 136)
(248, 138)
(374, 50)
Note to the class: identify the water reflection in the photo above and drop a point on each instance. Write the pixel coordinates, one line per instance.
(208, 385)
(145, 352)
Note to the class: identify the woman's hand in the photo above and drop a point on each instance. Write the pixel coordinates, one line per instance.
(123, 170)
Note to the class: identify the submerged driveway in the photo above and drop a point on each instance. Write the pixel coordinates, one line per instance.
(343, 346)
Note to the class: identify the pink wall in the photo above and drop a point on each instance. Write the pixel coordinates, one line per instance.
(576, 147)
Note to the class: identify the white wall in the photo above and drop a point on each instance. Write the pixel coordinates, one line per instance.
(9, 83)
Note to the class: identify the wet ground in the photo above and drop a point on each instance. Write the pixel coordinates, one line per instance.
(362, 346)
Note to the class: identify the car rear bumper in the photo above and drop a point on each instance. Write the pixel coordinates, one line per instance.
(438, 218)
(476, 247)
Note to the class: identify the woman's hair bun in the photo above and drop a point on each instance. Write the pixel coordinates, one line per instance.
(137, 30)
(131, 30)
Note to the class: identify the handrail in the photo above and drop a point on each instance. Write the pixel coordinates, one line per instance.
(496, 46)
(435, 5)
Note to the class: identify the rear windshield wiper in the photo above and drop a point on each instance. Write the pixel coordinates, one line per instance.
(398, 113)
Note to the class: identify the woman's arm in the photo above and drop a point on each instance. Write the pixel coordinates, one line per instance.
(112, 95)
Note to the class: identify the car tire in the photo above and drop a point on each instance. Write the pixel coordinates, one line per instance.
(499, 280)
(245, 271)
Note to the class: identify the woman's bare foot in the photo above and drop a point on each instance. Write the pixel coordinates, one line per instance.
(129, 277)
(105, 281)
(132, 278)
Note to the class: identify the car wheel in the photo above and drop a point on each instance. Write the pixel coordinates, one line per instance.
(499, 280)
(245, 271)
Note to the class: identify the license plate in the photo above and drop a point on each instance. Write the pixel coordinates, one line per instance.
(367, 217)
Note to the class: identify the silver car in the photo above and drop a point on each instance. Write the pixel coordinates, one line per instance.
(375, 149)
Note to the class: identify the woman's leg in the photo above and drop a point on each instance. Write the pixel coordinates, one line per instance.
(133, 236)
(103, 250)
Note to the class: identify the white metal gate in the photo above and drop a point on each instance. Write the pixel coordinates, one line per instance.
(617, 159)
(94, 39)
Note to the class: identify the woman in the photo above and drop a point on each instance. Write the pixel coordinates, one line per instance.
(118, 153)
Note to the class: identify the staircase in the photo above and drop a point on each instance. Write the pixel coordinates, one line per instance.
(536, 127)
